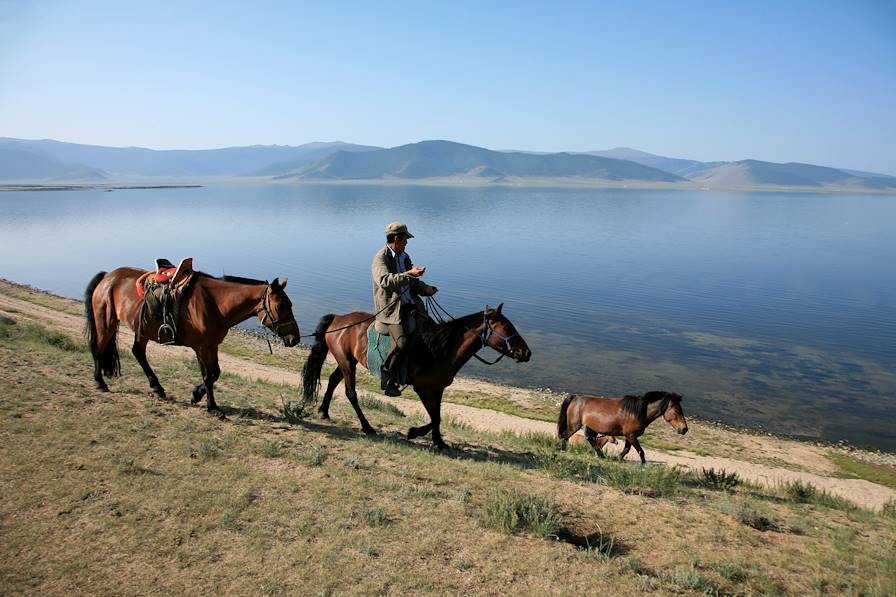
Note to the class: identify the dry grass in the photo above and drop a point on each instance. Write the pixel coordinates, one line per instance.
(123, 493)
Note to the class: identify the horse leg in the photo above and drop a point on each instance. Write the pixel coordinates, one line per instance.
(139, 352)
(432, 402)
(628, 446)
(199, 391)
(208, 360)
(591, 436)
(349, 374)
(324, 408)
(106, 331)
(640, 450)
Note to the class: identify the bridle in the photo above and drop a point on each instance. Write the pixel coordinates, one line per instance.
(487, 332)
(265, 308)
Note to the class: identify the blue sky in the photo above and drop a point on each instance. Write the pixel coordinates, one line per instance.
(781, 81)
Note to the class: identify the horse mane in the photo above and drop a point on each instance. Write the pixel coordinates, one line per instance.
(438, 336)
(235, 279)
(637, 405)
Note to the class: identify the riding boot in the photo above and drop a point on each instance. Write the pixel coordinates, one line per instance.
(388, 383)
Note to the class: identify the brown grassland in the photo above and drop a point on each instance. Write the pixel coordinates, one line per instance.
(121, 493)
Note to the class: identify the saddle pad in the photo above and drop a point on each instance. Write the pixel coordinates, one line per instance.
(377, 349)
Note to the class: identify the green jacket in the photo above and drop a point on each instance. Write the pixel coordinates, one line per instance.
(388, 283)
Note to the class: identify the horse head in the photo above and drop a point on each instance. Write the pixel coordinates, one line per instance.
(275, 313)
(498, 333)
(674, 415)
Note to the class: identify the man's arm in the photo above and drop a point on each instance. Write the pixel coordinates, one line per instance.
(387, 280)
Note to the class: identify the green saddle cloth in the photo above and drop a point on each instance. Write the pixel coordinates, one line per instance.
(377, 349)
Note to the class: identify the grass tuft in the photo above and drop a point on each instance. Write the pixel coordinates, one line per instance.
(651, 481)
(720, 481)
(889, 509)
(292, 413)
(514, 511)
(316, 456)
(797, 491)
(367, 402)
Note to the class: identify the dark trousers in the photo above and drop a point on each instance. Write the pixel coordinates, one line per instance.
(400, 336)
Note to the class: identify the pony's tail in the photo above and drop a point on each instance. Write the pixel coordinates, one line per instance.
(315, 362)
(108, 357)
(562, 422)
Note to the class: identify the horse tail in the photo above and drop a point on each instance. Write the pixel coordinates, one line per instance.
(315, 362)
(107, 357)
(562, 420)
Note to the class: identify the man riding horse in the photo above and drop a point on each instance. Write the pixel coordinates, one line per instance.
(397, 287)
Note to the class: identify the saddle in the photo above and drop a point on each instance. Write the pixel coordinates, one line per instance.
(162, 291)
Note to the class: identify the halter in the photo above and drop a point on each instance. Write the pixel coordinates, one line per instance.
(268, 314)
(487, 332)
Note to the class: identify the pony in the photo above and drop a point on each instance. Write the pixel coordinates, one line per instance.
(628, 416)
(438, 353)
(210, 307)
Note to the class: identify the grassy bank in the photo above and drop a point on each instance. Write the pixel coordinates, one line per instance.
(122, 493)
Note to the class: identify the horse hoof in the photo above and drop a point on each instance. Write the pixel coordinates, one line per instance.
(441, 446)
(369, 431)
(413, 433)
(102, 388)
(325, 416)
(158, 391)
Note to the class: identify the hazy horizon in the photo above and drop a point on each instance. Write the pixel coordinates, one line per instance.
(812, 84)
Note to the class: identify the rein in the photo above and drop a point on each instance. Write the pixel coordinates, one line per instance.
(488, 331)
(351, 325)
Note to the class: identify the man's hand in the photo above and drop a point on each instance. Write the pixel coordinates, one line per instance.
(416, 272)
(430, 290)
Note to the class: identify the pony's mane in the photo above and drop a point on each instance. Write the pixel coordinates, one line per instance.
(637, 405)
(438, 336)
(235, 279)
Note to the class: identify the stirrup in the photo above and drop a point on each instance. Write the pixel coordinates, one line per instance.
(166, 334)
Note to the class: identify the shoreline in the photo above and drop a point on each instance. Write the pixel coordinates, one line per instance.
(446, 182)
(466, 382)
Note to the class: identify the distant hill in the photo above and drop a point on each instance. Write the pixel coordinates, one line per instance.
(672, 165)
(313, 153)
(759, 173)
(138, 161)
(754, 172)
(18, 164)
(440, 159)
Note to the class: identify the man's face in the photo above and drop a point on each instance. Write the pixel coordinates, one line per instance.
(401, 241)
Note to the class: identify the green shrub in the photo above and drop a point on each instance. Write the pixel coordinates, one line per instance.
(292, 413)
(272, 449)
(799, 492)
(559, 465)
(720, 481)
(513, 511)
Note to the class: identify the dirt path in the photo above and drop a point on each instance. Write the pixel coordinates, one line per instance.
(860, 491)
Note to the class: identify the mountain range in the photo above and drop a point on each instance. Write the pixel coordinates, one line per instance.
(42, 161)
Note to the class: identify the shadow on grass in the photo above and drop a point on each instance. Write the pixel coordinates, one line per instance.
(599, 543)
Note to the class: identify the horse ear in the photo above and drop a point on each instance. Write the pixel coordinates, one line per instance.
(498, 310)
(276, 283)
(488, 308)
(283, 283)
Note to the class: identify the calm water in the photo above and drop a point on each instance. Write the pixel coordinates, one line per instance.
(764, 309)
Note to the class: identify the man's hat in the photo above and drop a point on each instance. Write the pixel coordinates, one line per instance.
(398, 228)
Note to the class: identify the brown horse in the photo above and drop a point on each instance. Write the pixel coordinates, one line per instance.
(438, 353)
(211, 307)
(628, 416)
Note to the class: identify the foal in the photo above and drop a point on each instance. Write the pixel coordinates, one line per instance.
(628, 416)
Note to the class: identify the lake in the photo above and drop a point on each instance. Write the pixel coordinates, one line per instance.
(771, 310)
